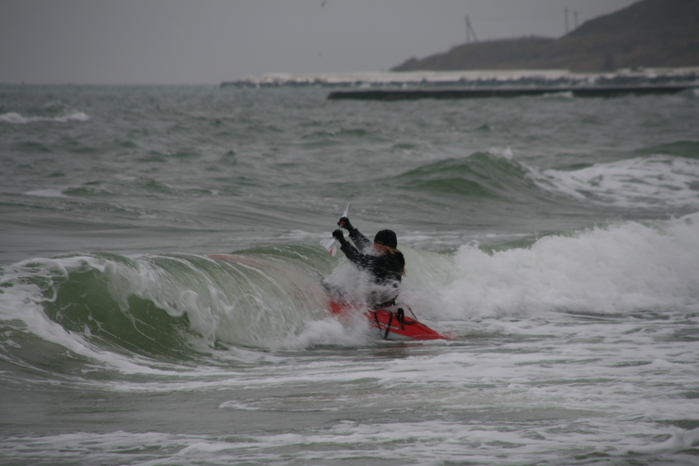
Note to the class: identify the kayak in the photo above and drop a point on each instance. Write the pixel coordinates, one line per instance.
(392, 324)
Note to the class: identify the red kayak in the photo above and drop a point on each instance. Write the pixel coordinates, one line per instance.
(392, 325)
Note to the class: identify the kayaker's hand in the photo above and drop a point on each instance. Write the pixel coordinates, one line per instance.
(337, 234)
(344, 223)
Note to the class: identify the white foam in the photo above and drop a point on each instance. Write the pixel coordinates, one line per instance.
(16, 118)
(679, 440)
(498, 152)
(612, 269)
(77, 116)
(414, 442)
(560, 95)
(46, 193)
(657, 181)
(328, 331)
(108, 448)
(12, 117)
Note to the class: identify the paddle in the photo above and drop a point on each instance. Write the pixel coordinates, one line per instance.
(329, 243)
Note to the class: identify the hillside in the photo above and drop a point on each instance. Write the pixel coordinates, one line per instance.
(650, 33)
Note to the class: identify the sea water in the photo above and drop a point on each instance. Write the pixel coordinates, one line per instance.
(556, 239)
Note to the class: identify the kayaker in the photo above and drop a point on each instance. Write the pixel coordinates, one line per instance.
(381, 259)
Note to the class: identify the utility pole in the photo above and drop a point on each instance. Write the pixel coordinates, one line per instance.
(470, 33)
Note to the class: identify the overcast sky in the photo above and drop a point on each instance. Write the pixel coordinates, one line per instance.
(209, 41)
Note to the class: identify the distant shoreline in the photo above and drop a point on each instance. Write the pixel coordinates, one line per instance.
(473, 78)
(648, 33)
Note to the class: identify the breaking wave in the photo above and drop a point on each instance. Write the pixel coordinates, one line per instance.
(177, 307)
(666, 178)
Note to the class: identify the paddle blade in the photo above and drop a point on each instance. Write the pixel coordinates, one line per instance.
(329, 244)
(346, 213)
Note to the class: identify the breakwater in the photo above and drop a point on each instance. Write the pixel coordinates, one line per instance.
(470, 93)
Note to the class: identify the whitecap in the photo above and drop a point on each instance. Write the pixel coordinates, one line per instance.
(657, 181)
(12, 117)
(77, 116)
(46, 193)
(18, 119)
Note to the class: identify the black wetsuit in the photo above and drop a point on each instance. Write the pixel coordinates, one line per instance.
(386, 270)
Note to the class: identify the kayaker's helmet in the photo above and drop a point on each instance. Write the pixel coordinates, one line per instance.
(387, 238)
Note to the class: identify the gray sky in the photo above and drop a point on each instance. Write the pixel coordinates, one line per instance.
(209, 41)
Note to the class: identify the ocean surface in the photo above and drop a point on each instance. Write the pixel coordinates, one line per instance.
(556, 239)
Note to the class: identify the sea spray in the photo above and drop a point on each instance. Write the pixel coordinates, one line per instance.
(619, 267)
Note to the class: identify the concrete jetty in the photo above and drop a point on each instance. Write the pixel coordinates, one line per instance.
(481, 92)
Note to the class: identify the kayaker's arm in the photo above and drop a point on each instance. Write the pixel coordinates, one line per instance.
(362, 260)
(359, 239)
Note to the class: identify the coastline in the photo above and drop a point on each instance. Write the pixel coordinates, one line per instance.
(479, 78)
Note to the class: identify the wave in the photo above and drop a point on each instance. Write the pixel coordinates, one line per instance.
(661, 177)
(619, 269)
(160, 307)
(688, 149)
(483, 174)
(657, 181)
(667, 178)
(126, 311)
(18, 119)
